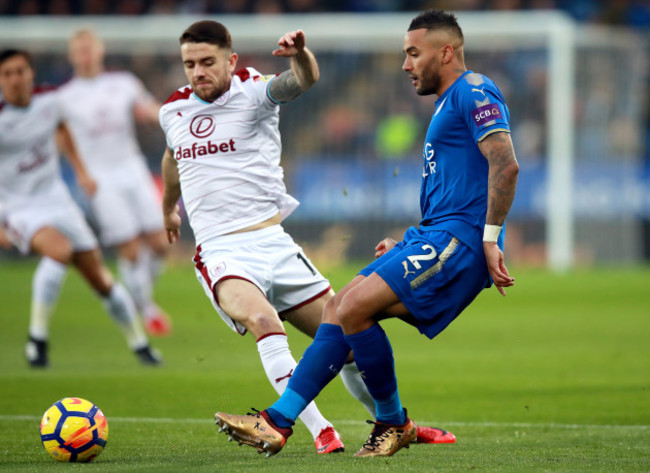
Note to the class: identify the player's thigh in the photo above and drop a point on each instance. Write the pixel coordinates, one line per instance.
(50, 242)
(366, 301)
(308, 317)
(245, 303)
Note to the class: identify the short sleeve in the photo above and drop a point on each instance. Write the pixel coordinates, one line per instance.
(163, 126)
(257, 85)
(483, 107)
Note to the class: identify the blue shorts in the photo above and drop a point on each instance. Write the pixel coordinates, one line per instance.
(435, 276)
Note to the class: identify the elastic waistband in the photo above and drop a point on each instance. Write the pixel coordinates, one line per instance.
(241, 238)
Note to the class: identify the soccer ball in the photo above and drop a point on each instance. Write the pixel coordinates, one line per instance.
(74, 430)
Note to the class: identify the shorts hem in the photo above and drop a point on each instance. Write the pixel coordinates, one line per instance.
(305, 302)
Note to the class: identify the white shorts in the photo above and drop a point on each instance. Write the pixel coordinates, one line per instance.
(268, 258)
(55, 209)
(123, 209)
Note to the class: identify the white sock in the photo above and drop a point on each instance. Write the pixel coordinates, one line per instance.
(121, 308)
(136, 278)
(279, 365)
(155, 264)
(46, 287)
(352, 381)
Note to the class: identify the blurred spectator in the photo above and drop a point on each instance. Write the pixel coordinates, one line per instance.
(634, 13)
(59, 7)
(268, 7)
(29, 7)
(94, 7)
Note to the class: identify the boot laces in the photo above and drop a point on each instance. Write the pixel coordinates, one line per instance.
(380, 432)
(255, 413)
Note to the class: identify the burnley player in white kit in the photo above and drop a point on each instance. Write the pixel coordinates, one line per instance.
(100, 109)
(38, 214)
(224, 157)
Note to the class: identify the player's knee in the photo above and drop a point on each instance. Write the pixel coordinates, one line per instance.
(158, 244)
(262, 323)
(345, 312)
(160, 248)
(350, 313)
(129, 250)
(329, 312)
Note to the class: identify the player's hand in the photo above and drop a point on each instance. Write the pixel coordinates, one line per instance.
(496, 267)
(290, 44)
(384, 247)
(172, 223)
(87, 184)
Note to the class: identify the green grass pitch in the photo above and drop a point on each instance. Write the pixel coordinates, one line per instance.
(555, 377)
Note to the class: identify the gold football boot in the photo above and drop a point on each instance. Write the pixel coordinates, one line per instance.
(254, 429)
(386, 439)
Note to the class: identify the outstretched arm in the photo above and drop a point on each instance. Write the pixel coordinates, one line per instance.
(304, 69)
(502, 182)
(171, 194)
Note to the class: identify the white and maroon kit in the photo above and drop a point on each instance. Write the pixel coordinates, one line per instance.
(32, 192)
(228, 157)
(100, 114)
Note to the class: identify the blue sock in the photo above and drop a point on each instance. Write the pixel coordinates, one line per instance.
(374, 357)
(320, 364)
(292, 399)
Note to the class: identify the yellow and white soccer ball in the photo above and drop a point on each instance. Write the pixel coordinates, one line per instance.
(74, 430)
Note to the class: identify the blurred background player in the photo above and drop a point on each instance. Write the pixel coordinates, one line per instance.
(224, 152)
(468, 185)
(38, 213)
(100, 109)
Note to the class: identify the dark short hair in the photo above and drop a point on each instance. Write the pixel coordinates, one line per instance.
(9, 53)
(207, 31)
(436, 19)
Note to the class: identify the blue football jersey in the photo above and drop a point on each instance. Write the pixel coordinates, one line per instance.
(453, 196)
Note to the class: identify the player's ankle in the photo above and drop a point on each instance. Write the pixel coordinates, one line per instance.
(278, 419)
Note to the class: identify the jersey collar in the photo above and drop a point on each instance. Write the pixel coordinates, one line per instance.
(221, 100)
(446, 92)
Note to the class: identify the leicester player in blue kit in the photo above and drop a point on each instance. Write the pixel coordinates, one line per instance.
(427, 279)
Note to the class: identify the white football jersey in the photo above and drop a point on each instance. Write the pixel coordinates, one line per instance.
(99, 113)
(228, 155)
(29, 160)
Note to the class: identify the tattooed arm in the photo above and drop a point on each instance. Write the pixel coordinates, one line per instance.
(502, 182)
(304, 69)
